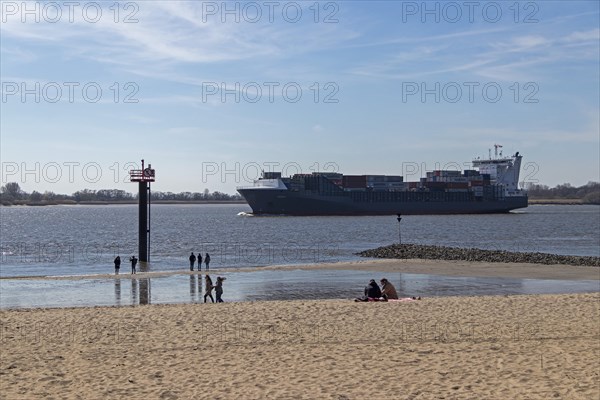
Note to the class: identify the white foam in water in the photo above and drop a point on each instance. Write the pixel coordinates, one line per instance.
(245, 214)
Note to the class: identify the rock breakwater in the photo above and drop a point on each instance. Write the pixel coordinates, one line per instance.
(412, 251)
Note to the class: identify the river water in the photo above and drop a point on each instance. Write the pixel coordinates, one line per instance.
(64, 241)
(82, 240)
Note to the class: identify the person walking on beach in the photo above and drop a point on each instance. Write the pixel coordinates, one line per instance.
(192, 261)
(388, 291)
(117, 264)
(199, 261)
(219, 289)
(133, 263)
(208, 289)
(207, 260)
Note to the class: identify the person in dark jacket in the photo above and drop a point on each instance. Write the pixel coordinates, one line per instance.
(372, 291)
(219, 289)
(207, 261)
(192, 261)
(134, 261)
(199, 261)
(117, 264)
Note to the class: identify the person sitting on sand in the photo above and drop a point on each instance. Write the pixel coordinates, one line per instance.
(388, 291)
(372, 291)
(209, 288)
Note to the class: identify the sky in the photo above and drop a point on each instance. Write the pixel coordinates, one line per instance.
(211, 93)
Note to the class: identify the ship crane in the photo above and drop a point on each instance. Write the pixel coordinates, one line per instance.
(496, 147)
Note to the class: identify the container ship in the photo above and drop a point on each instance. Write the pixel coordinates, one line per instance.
(490, 187)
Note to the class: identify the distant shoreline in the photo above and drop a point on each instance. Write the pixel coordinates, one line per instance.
(557, 201)
(112, 203)
(95, 203)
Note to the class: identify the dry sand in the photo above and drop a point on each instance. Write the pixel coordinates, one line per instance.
(496, 347)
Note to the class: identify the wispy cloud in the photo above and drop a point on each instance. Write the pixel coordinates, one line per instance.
(500, 57)
(170, 35)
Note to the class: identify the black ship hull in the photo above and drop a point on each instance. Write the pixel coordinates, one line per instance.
(286, 202)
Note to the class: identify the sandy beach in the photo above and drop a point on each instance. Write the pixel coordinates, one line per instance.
(492, 347)
(526, 347)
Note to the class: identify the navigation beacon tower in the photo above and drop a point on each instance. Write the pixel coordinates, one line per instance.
(144, 177)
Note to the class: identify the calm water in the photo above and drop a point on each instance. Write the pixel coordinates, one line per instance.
(261, 285)
(81, 240)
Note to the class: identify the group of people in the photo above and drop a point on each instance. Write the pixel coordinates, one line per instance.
(374, 293)
(117, 262)
(134, 260)
(218, 287)
(193, 261)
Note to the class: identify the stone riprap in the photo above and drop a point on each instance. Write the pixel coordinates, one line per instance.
(416, 251)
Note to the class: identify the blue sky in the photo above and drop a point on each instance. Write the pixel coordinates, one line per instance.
(379, 83)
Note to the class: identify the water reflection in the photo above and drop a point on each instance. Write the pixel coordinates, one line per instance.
(118, 292)
(134, 292)
(143, 266)
(193, 290)
(145, 294)
(264, 285)
(140, 291)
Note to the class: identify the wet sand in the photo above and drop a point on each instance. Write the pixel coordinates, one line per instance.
(430, 267)
(466, 268)
(492, 347)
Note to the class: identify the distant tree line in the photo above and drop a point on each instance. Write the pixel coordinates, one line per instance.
(11, 194)
(588, 193)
